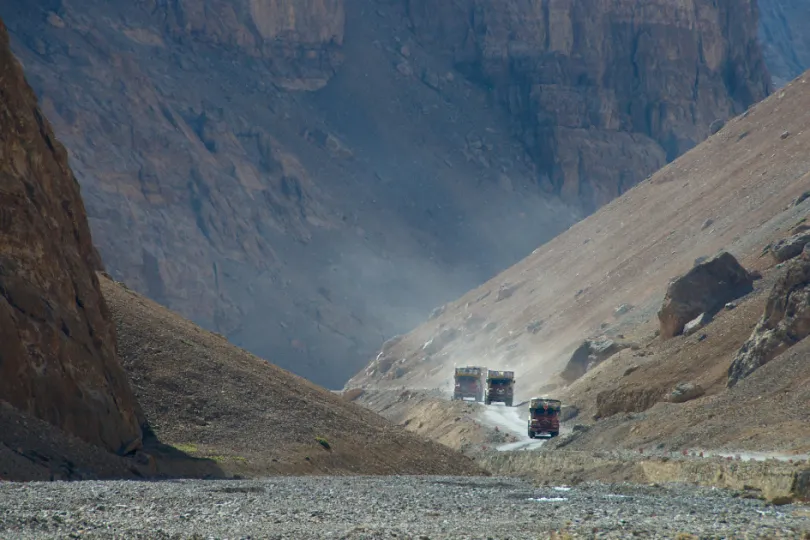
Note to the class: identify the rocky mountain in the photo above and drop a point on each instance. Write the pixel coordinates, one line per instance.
(310, 178)
(607, 278)
(784, 36)
(58, 359)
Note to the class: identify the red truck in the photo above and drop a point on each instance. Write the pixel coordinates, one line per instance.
(544, 417)
(500, 387)
(470, 382)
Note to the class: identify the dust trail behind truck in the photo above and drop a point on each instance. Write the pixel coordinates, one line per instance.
(470, 383)
(500, 387)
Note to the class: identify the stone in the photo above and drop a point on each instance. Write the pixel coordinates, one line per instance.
(685, 391)
(622, 309)
(590, 353)
(716, 126)
(790, 247)
(695, 324)
(58, 359)
(784, 135)
(731, 305)
(801, 198)
(785, 322)
(706, 288)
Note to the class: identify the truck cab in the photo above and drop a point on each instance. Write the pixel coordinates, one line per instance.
(544, 417)
(469, 383)
(500, 387)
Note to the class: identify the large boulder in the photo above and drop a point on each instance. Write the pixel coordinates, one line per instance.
(786, 321)
(685, 391)
(790, 247)
(706, 288)
(589, 354)
(58, 359)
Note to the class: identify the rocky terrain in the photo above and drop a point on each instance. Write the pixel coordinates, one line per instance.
(372, 508)
(605, 278)
(311, 178)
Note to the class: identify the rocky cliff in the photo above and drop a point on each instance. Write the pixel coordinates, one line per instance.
(603, 92)
(785, 39)
(58, 359)
(311, 177)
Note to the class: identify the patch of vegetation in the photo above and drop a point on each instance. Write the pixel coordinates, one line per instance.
(186, 448)
(323, 442)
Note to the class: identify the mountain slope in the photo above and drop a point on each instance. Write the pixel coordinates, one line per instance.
(210, 399)
(734, 192)
(311, 178)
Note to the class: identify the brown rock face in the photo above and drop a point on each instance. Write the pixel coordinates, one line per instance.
(604, 92)
(301, 39)
(704, 289)
(58, 357)
(786, 321)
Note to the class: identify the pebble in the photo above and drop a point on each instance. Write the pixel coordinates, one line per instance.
(383, 507)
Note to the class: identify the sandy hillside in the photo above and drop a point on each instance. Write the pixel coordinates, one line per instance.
(734, 192)
(211, 399)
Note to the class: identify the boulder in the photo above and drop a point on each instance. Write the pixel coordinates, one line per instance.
(591, 353)
(706, 288)
(58, 353)
(685, 391)
(790, 247)
(786, 321)
(696, 324)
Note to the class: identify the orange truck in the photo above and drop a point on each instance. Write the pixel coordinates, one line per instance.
(470, 383)
(544, 417)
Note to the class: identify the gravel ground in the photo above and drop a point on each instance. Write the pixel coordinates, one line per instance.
(384, 507)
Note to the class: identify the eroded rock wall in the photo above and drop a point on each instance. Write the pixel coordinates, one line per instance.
(58, 357)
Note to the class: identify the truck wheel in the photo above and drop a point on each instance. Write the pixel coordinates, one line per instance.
(487, 401)
(508, 402)
(531, 434)
(554, 434)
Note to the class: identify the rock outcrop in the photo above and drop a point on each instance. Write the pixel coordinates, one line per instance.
(685, 391)
(604, 93)
(58, 359)
(588, 355)
(790, 247)
(786, 321)
(706, 288)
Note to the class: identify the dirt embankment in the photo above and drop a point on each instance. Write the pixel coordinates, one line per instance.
(208, 398)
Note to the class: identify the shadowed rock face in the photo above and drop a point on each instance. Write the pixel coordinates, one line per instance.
(785, 39)
(58, 357)
(604, 92)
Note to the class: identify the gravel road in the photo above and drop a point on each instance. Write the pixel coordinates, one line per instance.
(383, 507)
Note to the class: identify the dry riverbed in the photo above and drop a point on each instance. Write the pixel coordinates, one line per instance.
(386, 507)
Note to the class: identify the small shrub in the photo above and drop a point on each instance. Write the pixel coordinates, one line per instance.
(323, 442)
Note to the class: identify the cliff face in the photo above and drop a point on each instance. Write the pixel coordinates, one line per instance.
(300, 39)
(785, 39)
(445, 141)
(58, 357)
(604, 92)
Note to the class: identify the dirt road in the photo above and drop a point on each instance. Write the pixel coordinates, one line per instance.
(514, 421)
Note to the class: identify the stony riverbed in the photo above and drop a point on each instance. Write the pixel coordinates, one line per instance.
(385, 507)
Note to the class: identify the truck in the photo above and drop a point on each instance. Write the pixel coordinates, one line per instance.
(470, 383)
(544, 417)
(500, 387)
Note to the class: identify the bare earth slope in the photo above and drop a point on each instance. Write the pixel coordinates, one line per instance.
(733, 192)
(212, 399)
(312, 177)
